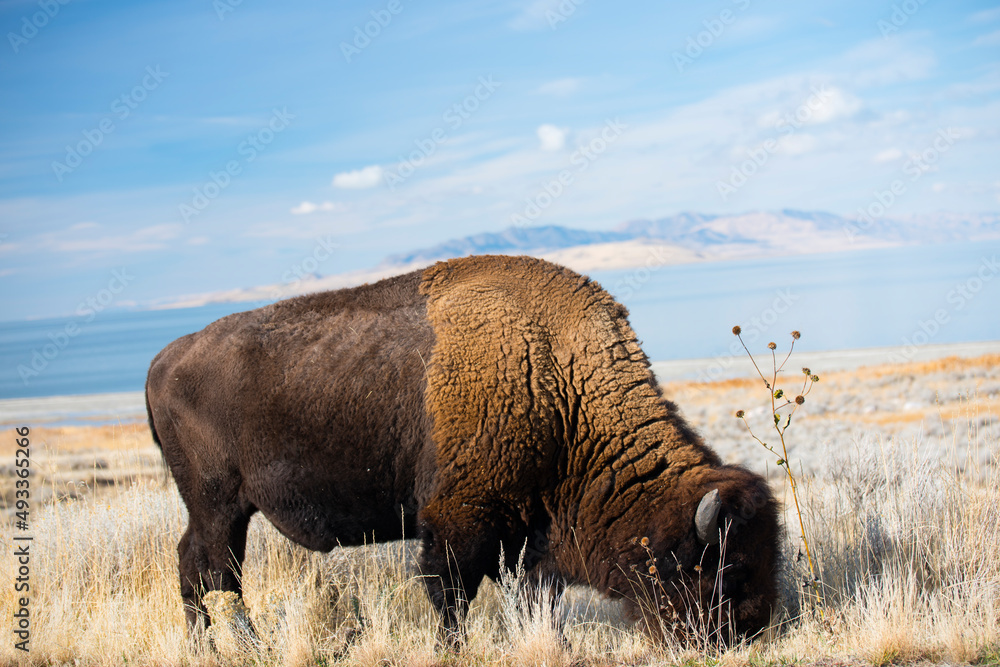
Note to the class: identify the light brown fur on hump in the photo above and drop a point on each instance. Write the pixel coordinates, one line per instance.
(534, 370)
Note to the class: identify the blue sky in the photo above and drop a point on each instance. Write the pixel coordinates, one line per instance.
(204, 145)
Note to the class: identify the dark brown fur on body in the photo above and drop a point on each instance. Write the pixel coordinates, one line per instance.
(481, 403)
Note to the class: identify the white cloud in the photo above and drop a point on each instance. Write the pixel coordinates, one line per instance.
(888, 155)
(939, 187)
(552, 138)
(799, 102)
(199, 240)
(817, 104)
(307, 207)
(666, 160)
(561, 87)
(359, 179)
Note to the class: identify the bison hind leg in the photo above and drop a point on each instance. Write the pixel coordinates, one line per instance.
(210, 558)
(191, 588)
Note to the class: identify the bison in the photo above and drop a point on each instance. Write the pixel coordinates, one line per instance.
(487, 405)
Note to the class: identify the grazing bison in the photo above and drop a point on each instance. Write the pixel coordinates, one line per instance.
(483, 403)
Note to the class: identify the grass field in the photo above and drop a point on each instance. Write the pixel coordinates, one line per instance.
(902, 513)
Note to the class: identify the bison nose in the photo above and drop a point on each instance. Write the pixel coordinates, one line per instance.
(706, 518)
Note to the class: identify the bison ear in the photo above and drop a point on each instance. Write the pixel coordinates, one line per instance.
(706, 518)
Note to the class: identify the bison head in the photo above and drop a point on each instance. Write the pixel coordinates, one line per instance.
(707, 572)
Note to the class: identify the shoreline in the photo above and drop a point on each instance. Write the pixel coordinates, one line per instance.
(731, 367)
(586, 259)
(129, 407)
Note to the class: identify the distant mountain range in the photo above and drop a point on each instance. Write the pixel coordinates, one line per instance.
(686, 237)
(756, 232)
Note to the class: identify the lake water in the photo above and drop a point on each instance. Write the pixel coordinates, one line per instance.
(873, 298)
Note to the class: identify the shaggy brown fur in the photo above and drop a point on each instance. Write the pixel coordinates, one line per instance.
(486, 402)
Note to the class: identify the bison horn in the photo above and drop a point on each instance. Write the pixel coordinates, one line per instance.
(706, 518)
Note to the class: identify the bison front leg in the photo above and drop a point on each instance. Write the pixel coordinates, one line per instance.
(460, 547)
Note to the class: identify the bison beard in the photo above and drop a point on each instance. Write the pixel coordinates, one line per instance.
(481, 403)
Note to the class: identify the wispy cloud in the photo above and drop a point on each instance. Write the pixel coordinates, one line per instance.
(991, 39)
(882, 62)
(561, 87)
(986, 16)
(746, 99)
(823, 127)
(155, 237)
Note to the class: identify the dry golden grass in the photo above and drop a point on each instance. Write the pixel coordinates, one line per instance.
(85, 439)
(908, 549)
(908, 553)
(943, 365)
(77, 461)
(865, 378)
